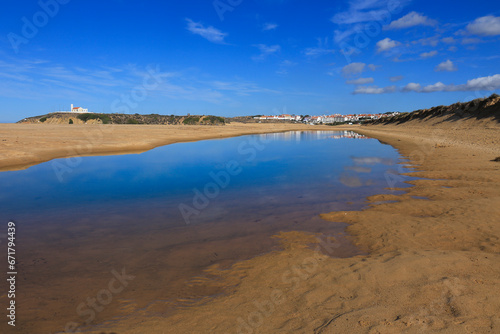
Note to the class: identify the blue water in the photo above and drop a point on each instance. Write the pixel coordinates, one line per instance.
(275, 171)
(167, 214)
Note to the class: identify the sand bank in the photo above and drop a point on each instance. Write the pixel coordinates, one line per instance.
(24, 145)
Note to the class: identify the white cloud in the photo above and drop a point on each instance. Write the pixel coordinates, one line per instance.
(489, 83)
(428, 54)
(449, 40)
(316, 52)
(469, 40)
(209, 33)
(353, 68)
(412, 87)
(483, 83)
(386, 44)
(485, 26)
(410, 20)
(266, 50)
(269, 26)
(368, 10)
(437, 87)
(396, 78)
(446, 66)
(374, 90)
(360, 81)
(432, 41)
(357, 68)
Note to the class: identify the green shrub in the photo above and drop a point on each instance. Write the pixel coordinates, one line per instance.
(132, 121)
(70, 121)
(86, 117)
(103, 117)
(43, 119)
(191, 120)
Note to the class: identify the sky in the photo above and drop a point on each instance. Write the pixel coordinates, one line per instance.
(245, 57)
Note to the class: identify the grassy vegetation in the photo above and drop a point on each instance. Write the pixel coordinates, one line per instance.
(43, 119)
(70, 121)
(133, 121)
(214, 119)
(103, 117)
(191, 120)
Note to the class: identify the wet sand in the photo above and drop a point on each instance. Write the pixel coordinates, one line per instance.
(432, 264)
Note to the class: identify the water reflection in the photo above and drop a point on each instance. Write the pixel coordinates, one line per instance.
(116, 212)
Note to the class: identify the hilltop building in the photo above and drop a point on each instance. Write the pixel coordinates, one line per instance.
(76, 110)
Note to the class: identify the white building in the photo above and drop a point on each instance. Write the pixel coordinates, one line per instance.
(78, 110)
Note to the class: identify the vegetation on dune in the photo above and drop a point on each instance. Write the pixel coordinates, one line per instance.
(150, 119)
(191, 120)
(213, 120)
(103, 117)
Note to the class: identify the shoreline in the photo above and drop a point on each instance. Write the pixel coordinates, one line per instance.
(432, 254)
(431, 265)
(26, 145)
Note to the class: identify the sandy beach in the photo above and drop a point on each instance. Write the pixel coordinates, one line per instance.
(433, 251)
(23, 145)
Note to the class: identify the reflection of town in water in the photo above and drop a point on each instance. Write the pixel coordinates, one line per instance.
(309, 135)
(350, 135)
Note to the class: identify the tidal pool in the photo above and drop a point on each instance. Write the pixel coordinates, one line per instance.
(104, 236)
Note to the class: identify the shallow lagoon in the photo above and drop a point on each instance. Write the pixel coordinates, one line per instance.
(166, 215)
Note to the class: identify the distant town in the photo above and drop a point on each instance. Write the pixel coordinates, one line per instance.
(326, 119)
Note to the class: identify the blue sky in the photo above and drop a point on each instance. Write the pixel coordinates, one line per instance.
(245, 57)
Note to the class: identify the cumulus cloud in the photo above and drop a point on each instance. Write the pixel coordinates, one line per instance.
(411, 87)
(386, 44)
(360, 81)
(374, 90)
(209, 33)
(353, 68)
(357, 68)
(396, 78)
(410, 20)
(446, 66)
(485, 26)
(437, 87)
(428, 54)
(269, 26)
(489, 83)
